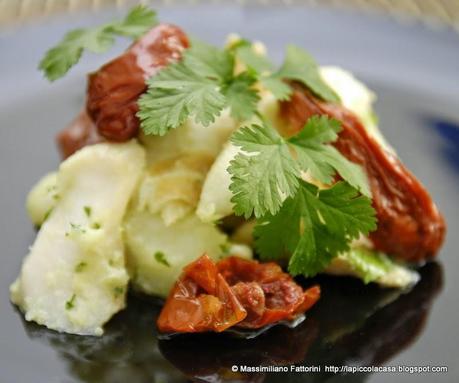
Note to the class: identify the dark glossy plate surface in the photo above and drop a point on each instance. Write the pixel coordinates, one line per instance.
(415, 73)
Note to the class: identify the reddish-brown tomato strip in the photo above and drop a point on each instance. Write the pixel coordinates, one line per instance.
(201, 300)
(114, 89)
(81, 132)
(283, 298)
(235, 292)
(409, 224)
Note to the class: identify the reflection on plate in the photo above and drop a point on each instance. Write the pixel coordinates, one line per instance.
(353, 324)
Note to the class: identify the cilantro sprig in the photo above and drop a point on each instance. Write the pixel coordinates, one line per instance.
(175, 94)
(59, 59)
(204, 82)
(245, 51)
(270, 166)
(314, 226)
(294, 216)
(264, 174)
(201, 85)
(298, 65)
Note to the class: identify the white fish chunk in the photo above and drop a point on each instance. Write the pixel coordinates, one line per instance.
(74, 278)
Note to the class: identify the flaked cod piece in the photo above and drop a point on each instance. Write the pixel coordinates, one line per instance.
(177, 165)
(74, 278)
(42, 199)
(157, 253)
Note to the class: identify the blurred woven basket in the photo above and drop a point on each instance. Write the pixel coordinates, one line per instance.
(435, 13)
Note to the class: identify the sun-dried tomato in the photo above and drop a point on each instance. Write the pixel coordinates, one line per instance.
(81, 132)
(409, 224)
(114, 89)
(283, 298)
(201, 300)
(233, 292)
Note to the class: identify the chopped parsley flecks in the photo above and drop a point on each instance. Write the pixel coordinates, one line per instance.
(96, 225)
(118, 291)
(70, 304)
(87, 211)
(80, 267)
(161, 258)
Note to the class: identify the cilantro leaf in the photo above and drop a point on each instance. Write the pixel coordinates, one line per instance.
(323, 161)
(265, 174)
(70, 304)
(209, 62)
(314, 226)
(245, 52)
(300, 66)
(67, 53)
(261, 66)
(278, 87)
(160, 257)
(241, 97)
(137, 22)
(317, 130)
(349, 171)
(201, 85)
(176, 93)
(267, 170)
(59, 59)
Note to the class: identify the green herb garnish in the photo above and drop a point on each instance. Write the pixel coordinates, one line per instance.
(47, 214)
(315, 226)
(96, 226)
(200, 86)
(294, 217)
(161, 258)
(67, 53)
(118, 291)
(246, 53)
(77, 227)
(87, 211)
(299, 66)
(70, 304)
(80, 267)
(203, 83)
(225, 248)
(269, 169)
(240, 95)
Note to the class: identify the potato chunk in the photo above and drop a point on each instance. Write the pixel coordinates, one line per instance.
(42, 199)
(74, 278)
(156, 253)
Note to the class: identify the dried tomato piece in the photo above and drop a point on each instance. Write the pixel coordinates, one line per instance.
(235, 269)
(283, 298)
(252, 298)
(114, 89)
(81, 132)
(235, 292)
(201, 300)
(409, 224)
